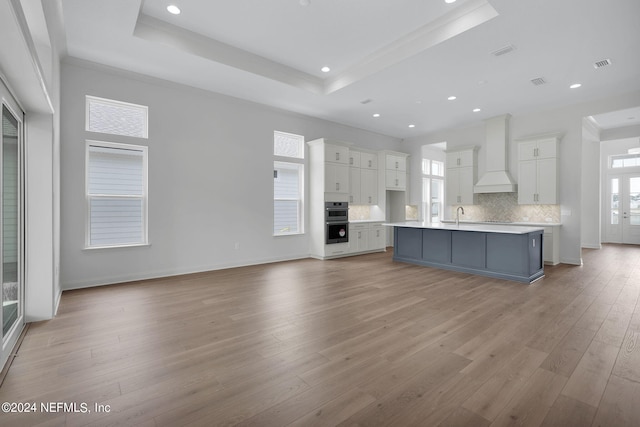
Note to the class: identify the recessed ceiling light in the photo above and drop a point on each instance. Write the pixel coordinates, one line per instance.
(451, 98)
(412, 126)
(376, 115)
(575, 86)
(325, 69)
(476, 110)
(173, 9)
(449, 1)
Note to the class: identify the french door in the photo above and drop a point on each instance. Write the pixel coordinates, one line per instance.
(11, 220)
(623, 216)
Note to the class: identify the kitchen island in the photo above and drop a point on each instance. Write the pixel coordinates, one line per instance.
(500, 251)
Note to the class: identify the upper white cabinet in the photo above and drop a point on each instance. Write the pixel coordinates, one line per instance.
(395, 171)
(538, 171)
(461, 176)
(364, 178)
(336, 153)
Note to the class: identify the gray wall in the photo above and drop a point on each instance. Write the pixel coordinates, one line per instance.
(210, 178)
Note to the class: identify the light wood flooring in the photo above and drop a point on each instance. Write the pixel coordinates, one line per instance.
(359, 341)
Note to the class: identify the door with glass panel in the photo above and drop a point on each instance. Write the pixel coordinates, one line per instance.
(623, 219)
(11, 241)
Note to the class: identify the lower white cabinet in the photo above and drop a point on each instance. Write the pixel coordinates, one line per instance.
(366, 237)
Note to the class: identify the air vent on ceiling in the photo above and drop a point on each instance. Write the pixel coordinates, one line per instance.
(504, 50)
(602, 63)
(538, 81)
(366, 101)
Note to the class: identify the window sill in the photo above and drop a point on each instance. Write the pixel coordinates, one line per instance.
(288, 234)
(137, 245)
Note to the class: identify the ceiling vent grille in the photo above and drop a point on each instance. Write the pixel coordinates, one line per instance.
(504, 50)
(602, 63)
(538, 81)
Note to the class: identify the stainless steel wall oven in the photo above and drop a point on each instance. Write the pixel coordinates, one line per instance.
(337, 222)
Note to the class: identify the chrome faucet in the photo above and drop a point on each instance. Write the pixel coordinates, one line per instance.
(460, 208)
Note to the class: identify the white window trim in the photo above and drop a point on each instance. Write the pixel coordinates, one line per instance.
(300, 162)
(145, 108)
(145, 198)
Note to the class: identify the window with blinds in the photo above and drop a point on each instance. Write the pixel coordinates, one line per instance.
(116, 194)
(288, 184)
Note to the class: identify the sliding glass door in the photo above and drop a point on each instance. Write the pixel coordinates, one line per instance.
(11, 235)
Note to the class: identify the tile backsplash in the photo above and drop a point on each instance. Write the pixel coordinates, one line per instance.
(504, 207)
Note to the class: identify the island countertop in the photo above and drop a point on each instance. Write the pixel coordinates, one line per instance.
(486, 228)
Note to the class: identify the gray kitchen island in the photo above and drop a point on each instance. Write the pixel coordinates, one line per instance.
(500, 251)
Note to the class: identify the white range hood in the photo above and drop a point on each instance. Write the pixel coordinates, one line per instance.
(496, 178)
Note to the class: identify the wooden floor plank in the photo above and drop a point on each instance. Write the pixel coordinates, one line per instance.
(353, 341)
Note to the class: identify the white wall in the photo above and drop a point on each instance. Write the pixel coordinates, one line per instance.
(210, 178)
(567, 120)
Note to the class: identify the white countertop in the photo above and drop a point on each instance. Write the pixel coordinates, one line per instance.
(486, 228)
(528, 224)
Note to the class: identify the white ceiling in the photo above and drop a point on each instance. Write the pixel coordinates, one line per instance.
(406, 56)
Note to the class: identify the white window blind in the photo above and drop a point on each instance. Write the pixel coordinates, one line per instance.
(287, 205)
(288, 179)
(116, 194)
(116, 117)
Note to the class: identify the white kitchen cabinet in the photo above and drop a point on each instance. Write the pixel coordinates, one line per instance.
(368, 186)
(358, 238)
(354, 186)
(354, 158)
(396, 162)
(369, 161)
(364, 178)
(395, 172)
(461, 176)
(551, 245)
(336, 178)
(377, 237)
(538, 171)
(335, 153)
(366, 237)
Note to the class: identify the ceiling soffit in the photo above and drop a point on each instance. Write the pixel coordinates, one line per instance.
(465, 17)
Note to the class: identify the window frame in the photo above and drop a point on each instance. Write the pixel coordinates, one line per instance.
(428, 180)
(113, 102)
(297, 163)
(144, 198)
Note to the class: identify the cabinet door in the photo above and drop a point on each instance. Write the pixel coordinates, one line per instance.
(453, 186)
(466, 158)
(358, 238)
(453, 161)
(396, 180)
(368, 161)
(527, 150)
(396, 162)
(376, 237)
(336, 154)
(368, 187)
(336, 178)
(527, 182)
(465, 186)
(355, 186)
(547, 148)
(354, 158)
(547, 187)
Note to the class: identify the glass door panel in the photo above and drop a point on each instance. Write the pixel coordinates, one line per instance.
(11, 292)
(11, 227)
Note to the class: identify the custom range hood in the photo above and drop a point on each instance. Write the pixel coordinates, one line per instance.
(496, 178)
